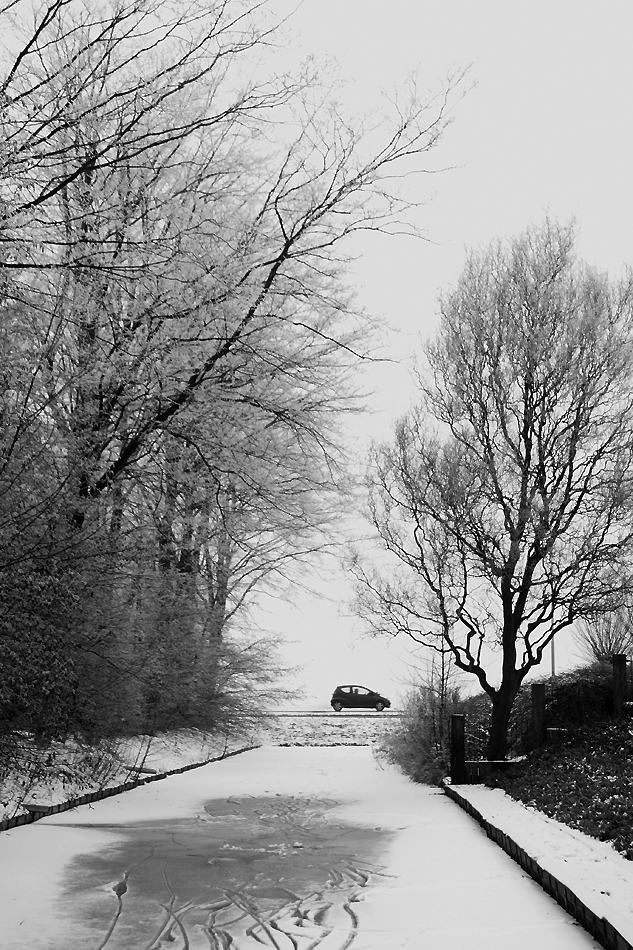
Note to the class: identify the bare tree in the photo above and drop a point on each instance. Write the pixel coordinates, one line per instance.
(180, 341)
(86, 88)
(193, 253)
(505, 498)
(604, 636)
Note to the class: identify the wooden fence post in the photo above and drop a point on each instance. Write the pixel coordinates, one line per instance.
(619, 682)
(458, 750)
(538, 715)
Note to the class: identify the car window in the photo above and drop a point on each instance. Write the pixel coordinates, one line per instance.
(362, 692)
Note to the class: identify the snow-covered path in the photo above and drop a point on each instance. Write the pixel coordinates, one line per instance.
(290, 848)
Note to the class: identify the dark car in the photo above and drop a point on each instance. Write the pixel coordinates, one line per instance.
(358, 697)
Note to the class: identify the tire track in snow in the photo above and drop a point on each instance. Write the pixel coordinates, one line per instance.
(279, 872)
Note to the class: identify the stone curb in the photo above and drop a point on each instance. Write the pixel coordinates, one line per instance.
(600, 928)
(35, 815)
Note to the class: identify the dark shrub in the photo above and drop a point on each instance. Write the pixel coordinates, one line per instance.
(418, 743)
(580, 697)
(585, 782)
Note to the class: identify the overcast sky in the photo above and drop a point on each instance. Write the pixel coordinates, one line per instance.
(544, 128)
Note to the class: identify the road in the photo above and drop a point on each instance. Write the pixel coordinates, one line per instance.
(293, 848)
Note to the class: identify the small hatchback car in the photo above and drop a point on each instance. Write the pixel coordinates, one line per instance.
(358, 697)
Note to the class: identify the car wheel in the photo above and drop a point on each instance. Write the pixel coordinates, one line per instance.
(336, 707)
(379, 707)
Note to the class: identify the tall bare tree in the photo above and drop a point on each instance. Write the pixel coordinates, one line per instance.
(604, 636)
(505, 499)
(169, 250)
(180, 339)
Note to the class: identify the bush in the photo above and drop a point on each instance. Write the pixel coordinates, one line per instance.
(37, 686)
(585, 782)
(581, 697)
(419, 745)
(477, 710)
(573, 701)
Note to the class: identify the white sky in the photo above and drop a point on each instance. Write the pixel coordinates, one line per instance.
(545, 128)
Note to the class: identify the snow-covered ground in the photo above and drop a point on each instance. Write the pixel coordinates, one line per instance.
(62, 771)
(594, 871)
(344, 728)
(292, 848)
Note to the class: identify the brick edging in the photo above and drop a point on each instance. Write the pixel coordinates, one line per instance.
(30, 817)
(600, 928)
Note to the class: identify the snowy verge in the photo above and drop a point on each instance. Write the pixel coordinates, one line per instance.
(594, 877)
(35, 812)
(66, 771)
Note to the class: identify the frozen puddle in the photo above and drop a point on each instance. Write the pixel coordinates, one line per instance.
(247, 873)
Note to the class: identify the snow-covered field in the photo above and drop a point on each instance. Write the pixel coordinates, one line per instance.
(344, 728)
(298, 848)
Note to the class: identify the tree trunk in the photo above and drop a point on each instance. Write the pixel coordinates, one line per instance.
(502, 703)
(218, 567)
